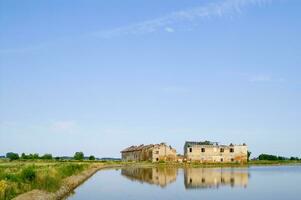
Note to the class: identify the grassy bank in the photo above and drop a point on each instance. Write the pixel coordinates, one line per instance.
(20, 177)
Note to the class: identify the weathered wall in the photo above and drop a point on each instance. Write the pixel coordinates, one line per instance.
(213, 153)
(154, 153)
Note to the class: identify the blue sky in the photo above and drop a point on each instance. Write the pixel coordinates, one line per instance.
(98, 76)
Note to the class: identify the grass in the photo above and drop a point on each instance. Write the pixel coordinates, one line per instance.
(19, 177)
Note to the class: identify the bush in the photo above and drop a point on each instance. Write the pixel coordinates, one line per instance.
(47, 157)
(70, 169)
(91, 157)
(28, 174)
(271, 157)
(12, 156)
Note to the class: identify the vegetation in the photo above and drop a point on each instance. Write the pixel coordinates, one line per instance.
(275, 158)
(91, 157)
(19, 177)
(12, 156)
(249, 154)
(78, 156)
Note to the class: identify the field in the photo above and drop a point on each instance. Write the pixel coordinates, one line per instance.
(19, 177)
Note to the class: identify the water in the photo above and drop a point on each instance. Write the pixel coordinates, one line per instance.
(273, 182)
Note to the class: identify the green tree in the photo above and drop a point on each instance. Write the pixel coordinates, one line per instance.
(24, 156)
(12, 156)
(35, 156)
(249, 154)
(78, 156)
(47, 156)
(91, 157)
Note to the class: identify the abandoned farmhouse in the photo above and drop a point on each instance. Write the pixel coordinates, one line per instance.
(212, 152)
(204, 152)
(151, 152)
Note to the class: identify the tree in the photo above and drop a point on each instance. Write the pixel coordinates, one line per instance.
(78, 156)
(36, 156)
(47, 157)
(24, 156)
(91, 157)
(12, 156)
(249, 154)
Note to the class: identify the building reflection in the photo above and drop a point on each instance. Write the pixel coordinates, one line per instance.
(214, 178)
(157, 176)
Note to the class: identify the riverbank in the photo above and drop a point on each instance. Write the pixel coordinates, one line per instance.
(69, 184)
(56, 180)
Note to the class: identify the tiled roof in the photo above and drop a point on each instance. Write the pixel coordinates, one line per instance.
(142, 147)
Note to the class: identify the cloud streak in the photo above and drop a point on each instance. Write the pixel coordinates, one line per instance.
(192, 15)
(64, 126)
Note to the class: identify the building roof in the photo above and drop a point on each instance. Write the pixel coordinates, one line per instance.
(191, 143)
(142, 147)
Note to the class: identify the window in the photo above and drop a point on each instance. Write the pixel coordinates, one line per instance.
(157, 159)
(232, 159)
(231, 150)
(222, 150)
(190, 149)
(157, 152)
(222, 160)
(203, 150)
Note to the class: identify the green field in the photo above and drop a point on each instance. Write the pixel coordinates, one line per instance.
(19, 177)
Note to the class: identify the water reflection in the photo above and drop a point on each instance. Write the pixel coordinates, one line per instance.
(194, 178)
(157, 176)
(214, 178)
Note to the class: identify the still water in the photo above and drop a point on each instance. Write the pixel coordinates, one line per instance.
(273, 182)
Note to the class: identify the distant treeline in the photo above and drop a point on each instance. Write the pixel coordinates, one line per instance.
(36, 156)
(273, 157)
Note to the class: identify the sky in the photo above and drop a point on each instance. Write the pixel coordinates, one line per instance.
(98, 76)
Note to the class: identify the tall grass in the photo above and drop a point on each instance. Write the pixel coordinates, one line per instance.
(20, 178)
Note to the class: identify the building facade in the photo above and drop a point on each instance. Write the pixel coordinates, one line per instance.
(210, 152)
(151, 152)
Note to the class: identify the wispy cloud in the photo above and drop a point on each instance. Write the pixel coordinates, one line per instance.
(165, 23)
(64, 126)
(264, 78)
(260, 78)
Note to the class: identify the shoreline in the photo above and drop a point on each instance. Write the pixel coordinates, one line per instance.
(74, 181)
(69, 185)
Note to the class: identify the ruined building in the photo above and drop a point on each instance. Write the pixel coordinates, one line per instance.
(208, 152)
(151, 152)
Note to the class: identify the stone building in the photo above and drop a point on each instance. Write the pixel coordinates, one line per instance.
(151, 152)
(214, 178)
(208, 152)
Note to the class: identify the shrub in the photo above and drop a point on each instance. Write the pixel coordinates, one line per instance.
(271, 157)
(12, 156)
(28, 174)
(70, 169)
(91, 157)
(47, 157)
